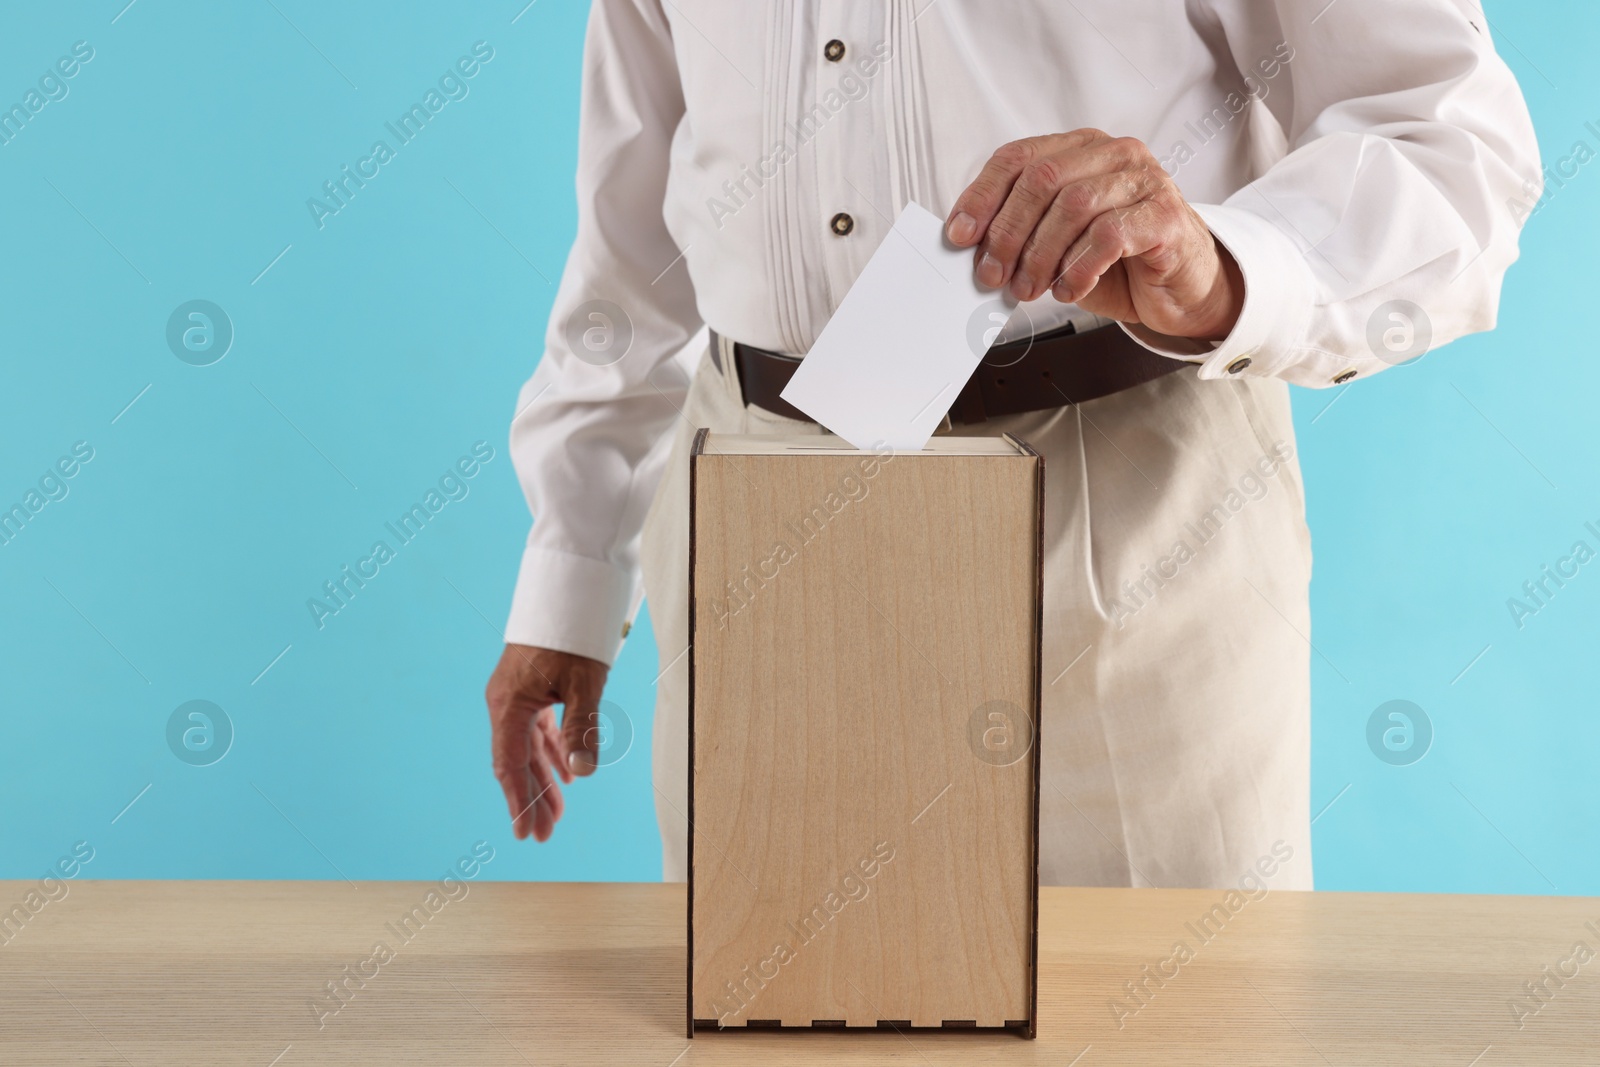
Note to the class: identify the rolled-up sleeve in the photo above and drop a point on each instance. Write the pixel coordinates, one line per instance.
(1387, 226)
(588, 436)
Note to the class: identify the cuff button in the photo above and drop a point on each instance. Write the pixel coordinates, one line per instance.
(1239, 364)
(1345, 377)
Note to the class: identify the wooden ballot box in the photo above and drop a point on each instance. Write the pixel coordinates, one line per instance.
(863, 742)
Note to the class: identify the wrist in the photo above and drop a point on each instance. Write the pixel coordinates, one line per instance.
(1220, 310)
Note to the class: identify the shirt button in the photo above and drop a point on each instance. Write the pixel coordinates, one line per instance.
(1345, 377)
(1239, 364)
(842, 224)
(833, 50)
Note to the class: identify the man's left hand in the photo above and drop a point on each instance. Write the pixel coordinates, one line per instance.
(1096, 221)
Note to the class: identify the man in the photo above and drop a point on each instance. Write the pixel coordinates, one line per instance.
(1286, 191)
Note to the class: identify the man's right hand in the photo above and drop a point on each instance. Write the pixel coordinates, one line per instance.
(529, 751)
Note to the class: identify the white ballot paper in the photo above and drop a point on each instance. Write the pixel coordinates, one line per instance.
(903, 342)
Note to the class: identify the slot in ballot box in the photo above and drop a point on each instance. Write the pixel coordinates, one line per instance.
(863, 747)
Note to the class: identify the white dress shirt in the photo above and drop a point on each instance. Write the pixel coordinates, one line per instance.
(1349, 155)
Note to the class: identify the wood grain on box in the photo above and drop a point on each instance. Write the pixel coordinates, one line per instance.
(864, 698)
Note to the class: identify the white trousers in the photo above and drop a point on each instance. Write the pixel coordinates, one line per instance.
(1176, 706)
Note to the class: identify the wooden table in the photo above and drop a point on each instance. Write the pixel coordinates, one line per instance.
(174, 973)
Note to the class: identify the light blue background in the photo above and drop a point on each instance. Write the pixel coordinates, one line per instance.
(375, 351)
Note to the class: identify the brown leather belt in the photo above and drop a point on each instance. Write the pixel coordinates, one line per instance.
(1048, 371)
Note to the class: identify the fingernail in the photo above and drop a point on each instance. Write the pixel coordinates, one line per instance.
(963, 228)
(1022, 285)
(581, 762)
(990, 272)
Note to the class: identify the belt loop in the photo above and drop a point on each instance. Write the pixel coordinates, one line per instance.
(723, 355)
(716, 350)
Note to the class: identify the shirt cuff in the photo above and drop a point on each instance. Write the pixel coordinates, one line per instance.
(570, 604)
(1279, 295)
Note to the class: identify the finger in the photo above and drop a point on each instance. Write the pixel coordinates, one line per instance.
(1034, 191)
(547, 801)
(1111, 295)
(1107, 240)
(552, 758)
(550, 735)
(512, 746)
(580, 730)
(1077, 205)
(978, 204)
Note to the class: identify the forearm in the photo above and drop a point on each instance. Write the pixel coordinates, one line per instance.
(1389, 225)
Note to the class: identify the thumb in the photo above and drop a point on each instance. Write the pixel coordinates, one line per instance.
(581, 731)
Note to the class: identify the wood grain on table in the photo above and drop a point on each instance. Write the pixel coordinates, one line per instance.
(212, 973)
